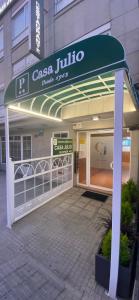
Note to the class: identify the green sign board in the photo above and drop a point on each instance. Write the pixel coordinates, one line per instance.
(80, 61)
(61, 146)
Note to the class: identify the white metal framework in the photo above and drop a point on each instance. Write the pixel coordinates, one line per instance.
(117, 181)
(34, 182)
(50, 105)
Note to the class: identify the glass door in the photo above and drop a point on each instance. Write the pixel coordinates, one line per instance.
(101, 160)
(95, 159)
(82, 160)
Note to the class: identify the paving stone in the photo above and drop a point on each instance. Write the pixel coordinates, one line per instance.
(87, 213)
(50, 254)
(75, 209)
(64, 205)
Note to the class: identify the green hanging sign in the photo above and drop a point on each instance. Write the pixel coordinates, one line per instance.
(80, 61)
(61, 146)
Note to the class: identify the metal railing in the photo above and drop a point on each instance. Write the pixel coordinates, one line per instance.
(33, 182)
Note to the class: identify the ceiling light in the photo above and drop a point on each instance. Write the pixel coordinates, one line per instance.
(33, 113)
(95, 118)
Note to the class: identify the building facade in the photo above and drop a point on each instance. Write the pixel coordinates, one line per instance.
(66, 22)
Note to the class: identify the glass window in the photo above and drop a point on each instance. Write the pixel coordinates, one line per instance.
(15, 147)
(60, 4)
(1, 97)
(1, 39)
(64, 135)
(19, 149)
(20, 22)
(3, 154)
(26, 147)
(60, 134)
(1, 42)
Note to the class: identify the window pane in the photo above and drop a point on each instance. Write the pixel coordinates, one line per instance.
(64, 135)
(60, 4)
(1, 97)
(17, 138)
(26, 15)
(20, 21)
(26, 147)
(57, 135)
(3, 152)
(60, 134)
(1, 39)
(15, 150)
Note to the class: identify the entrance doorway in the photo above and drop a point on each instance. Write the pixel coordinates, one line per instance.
(101, 160)
(96, 159)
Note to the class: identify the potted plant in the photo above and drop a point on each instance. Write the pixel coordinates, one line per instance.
(126, 268)
(128, 251)
(130, 192)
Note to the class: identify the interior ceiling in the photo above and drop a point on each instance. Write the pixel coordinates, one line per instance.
(52, 102)
(131, 120)
(102, 116)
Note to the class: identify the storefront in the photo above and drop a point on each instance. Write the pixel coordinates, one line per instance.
(89, 80)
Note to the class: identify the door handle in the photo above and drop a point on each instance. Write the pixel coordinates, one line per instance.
(111, 165)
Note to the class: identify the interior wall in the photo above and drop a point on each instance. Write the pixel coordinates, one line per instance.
(41, 138)
(42, 144)
(91, 107)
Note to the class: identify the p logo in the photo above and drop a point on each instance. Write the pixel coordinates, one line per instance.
(22, 85)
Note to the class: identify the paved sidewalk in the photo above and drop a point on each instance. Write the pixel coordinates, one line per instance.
(2, 199)
(50, 254)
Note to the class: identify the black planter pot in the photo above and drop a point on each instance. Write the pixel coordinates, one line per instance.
(126, 274)
(137, 218)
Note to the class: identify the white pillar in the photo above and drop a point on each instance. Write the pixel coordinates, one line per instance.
(117, 181)
(7, 167)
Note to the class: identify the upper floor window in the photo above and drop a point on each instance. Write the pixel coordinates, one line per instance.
(20, 24)
(1, 97)
(60, 4)
(1, 42)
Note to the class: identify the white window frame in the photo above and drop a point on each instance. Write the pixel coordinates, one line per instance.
(2, 50)
(27, 135)
(59, 132)
(25, 33)
(2, 90)
(61, 4)
(21, 140)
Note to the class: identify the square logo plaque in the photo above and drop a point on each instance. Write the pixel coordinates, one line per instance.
(22, 85)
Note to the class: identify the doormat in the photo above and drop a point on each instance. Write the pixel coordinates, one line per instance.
(95, 196)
